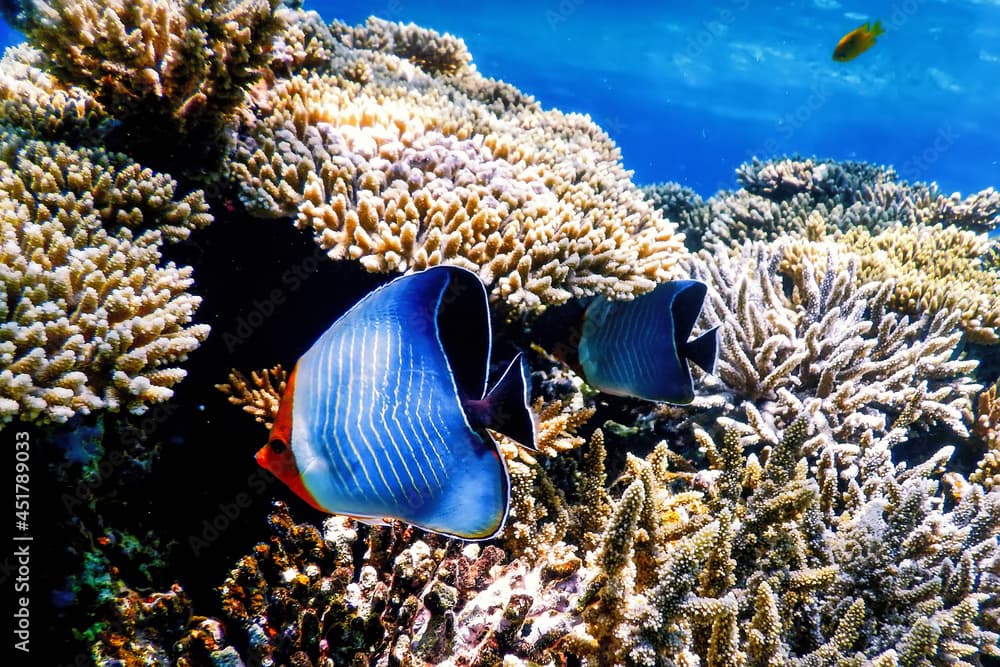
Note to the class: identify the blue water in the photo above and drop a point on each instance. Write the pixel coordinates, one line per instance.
(691, 90)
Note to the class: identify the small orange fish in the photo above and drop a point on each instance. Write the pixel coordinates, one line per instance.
(857, 41)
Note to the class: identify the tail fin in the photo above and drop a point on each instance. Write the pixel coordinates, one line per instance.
(704, 350)
(877, 29)
(505, 407)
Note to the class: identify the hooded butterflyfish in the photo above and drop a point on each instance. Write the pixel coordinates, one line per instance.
(386, 415)
(640, 348)
(857, 41)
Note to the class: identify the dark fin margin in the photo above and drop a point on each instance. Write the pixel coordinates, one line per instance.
(506, 404)
(703, 350)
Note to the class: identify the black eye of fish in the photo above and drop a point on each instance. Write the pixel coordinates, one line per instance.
(277, 446)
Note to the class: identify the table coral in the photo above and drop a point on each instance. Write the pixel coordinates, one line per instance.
(829, 347)
(401, 166)
(91, 317)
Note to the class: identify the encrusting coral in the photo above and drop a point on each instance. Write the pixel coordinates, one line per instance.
(89, 316)
(401, 166)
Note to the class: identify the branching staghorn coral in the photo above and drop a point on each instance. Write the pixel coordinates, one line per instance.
(259, 396)
(828, 347)
(402, 168)
(169, 71)
(881, 572)
(86, 182)
(89, 316)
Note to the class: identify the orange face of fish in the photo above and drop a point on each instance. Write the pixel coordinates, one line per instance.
(857, 41)
(276, 456)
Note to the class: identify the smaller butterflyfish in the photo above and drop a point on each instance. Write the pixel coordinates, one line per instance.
(857, 41)
(640, 348)
(386, 415)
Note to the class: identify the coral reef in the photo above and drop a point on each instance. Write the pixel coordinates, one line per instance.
(829, 348)
(775, 555)
(933, 268)
(898, 229)
(40, 104)
(796, 532)
(303, 599)
(401, 166)
(987, 428)
(805, 197)
(91, 317)
(171, 72)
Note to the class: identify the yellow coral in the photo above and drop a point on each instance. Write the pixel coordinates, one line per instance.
(33, 99)
(259, 396)
(934, 268)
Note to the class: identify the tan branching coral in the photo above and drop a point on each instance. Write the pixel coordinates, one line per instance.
(167, 70)
(871, 571)
(427, 49)
(987, 429)
(933, 268)
(46, 108)
(305, 41)
(90, 318)
(82, 182)
(260, 395)
(808, 198)
(828, 347)
(401, 169)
